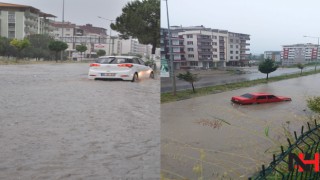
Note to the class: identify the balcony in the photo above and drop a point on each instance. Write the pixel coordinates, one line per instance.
(201, 39)
(205, 52)
(204, 46)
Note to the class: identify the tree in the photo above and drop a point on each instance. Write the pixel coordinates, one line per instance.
(57, 46)
(300, 66)
(81, 48)
(39, 46)
(267, 66)
(313, 103)
(5, 48)
(189, 77)
(101, 52)
(20, 45)
(140, 19)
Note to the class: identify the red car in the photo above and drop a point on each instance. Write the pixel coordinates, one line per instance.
(257, 98)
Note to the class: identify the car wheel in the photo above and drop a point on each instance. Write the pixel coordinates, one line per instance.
(152, 75)
(135, 77)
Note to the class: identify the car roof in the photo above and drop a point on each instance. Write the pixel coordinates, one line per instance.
(260, 94)
(130, 57)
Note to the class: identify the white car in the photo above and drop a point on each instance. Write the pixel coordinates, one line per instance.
(129, 68)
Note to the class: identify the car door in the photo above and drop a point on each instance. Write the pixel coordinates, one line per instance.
(261, 99)
(272, 98)
(137, 64)
(144, 68)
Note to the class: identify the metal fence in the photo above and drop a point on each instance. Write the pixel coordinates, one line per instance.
(308, 144)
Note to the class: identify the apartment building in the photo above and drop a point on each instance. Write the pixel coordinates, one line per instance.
(19, 21)
(274, 55)
(299, 53)
(200, 47)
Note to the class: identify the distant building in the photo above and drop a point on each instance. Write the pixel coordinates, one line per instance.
(274, 55)
(75, 35)
(299, 53)
(19, 21)
(200, 47)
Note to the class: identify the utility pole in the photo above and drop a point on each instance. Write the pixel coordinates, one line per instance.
(173, 78)
(110, 32)
(62, 27)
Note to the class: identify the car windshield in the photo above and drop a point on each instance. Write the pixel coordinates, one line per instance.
(247, 95)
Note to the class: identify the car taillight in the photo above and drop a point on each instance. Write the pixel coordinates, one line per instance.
(125, 65)
(94, 65)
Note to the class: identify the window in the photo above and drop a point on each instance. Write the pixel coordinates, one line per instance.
(189, 36)
(214, 50)
(237, 52)
(214, 37)
(215, 56)
(231, 57)
(237, 57)
(249, 96)
(262, 97)
(237, 46)
(271, 97)
(67, 29)
(136, 61)
(190, 56)
(214, 43)
(193, 63)
(231, 52)
(189, 42)
(231, 46)
(183, 63)
(231, 40)
(190, 49)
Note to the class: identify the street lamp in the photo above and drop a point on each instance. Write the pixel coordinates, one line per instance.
(110, 31)
(62, 28)
(315, 66)
(173, 78)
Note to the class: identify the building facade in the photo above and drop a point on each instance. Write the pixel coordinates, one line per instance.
(273, 55)
(18, 21)
(200, 47)
(299, 53)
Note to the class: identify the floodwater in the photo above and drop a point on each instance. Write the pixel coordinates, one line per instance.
(57, 124)
(212, 138)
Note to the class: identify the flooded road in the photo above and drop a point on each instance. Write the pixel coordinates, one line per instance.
(212, 138)
(57, 124)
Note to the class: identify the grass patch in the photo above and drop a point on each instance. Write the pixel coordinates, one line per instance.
(187, 94)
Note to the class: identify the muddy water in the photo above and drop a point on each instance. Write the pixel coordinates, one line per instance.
(245, 139)
(56, 124)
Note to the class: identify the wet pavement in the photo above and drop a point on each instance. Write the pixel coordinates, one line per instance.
(218, 77)
(57, 124)
(212, 138)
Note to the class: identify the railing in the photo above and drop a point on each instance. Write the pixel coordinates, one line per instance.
(306, 143)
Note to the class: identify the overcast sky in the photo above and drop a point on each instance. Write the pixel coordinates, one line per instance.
(270, 23)
(80, 12)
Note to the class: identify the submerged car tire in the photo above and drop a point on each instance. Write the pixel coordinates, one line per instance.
(135, 77)
(151, 75)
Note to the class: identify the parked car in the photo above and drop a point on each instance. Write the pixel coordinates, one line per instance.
(129, 68)
(258, 98)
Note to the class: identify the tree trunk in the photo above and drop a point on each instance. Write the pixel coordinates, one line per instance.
(193, 88)
(267, 76)
(301, 72)
(154, 45)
